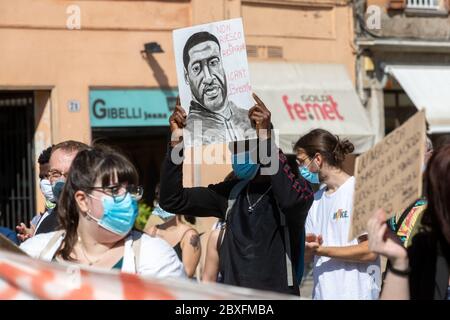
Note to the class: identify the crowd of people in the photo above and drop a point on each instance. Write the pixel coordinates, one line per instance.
(269, 225)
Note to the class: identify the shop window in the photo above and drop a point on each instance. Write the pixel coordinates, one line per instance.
(397, 108)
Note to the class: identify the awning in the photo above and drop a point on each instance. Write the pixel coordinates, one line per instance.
(428, 87)
(303, 97)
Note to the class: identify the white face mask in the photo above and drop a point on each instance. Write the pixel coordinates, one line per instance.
(46, 189)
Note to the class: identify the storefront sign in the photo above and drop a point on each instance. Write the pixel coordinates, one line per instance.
(313, 107)
(131, 108)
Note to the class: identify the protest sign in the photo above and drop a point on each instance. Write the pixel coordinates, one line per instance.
(214, 82)
(389, 175)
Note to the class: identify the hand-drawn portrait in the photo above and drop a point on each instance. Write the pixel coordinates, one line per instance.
(213, 117)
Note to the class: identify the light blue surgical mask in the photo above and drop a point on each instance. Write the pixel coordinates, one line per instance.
(57, 188)
(163, 214)
(118, 216)
(47, 191)
(312, 177)
(243, 166)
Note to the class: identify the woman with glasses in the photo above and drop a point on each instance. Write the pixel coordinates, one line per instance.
(97, 210)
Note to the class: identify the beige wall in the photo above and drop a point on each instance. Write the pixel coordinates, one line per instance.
(306, 34)
(37, 51)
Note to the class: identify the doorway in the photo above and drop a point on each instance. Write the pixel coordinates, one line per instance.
(17, 190)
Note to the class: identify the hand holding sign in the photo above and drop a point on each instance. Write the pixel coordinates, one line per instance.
(177, 122)
(260, 116)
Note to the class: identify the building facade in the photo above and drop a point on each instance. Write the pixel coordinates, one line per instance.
(91, 70)
(403, 62)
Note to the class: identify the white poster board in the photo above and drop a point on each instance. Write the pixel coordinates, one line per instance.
(214, 82)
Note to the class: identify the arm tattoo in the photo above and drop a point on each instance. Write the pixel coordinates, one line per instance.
(195, 241)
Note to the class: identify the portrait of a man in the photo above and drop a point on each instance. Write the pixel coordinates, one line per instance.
(220, 119)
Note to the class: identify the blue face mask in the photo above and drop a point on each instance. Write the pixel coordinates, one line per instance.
(57, 188)
(243, 166)
(312, 177)
(163, 214)
(118, 217)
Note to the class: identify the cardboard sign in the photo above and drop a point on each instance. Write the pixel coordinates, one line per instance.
(389, 175)
(214, 82)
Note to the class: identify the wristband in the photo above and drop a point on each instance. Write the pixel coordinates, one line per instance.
(401, 273)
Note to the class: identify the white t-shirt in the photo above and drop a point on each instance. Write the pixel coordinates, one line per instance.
(330, 216)
(157, 258)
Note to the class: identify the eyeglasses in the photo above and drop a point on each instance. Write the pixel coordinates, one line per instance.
(301, 162)
(44, 176)
(55, 174)
(119, 192)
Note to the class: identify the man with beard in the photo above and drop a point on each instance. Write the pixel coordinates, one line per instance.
(221, 120)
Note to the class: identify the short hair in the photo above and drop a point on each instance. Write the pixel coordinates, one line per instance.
(70, 146)
(44, 157)
(194, 40)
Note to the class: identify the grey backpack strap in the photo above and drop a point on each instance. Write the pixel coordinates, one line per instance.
(287, 242)
(290, 276)
(136, 246)
(58, 234)
(234, 193)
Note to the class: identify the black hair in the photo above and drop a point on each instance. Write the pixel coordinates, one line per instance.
(436, 186)
(194, 40)
(44, 157)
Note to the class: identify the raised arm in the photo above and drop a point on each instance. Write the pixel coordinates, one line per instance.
(294, 195)
(197, 201)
